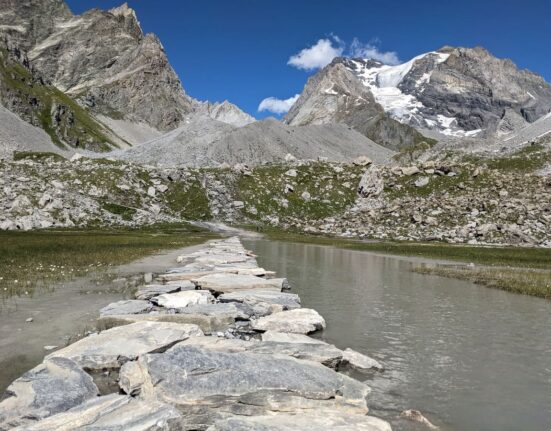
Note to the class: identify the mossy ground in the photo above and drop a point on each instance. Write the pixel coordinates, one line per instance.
(331, 191)
(33, 260)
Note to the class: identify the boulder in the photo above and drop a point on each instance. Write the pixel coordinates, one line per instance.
(111, 348)
(206, 386)
(371, 184)
(360, 361)
(126, 307)
(54, 386)
(112, 413)
(362, 161)
(410, 170)
(225, 283)
(183, 299)
(328, 420)
(422, 181)
(298, 321)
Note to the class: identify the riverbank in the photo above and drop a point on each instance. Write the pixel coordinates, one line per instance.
(216, 343)
(34, 260)
(518, 270)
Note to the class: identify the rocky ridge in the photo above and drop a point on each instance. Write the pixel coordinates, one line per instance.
(170, 370)
(456, 92)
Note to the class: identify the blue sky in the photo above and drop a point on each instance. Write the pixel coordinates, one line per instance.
(239, 49)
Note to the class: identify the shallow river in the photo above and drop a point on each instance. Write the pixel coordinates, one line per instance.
(469, 357)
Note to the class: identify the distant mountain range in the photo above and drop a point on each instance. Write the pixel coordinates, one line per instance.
(96, 82)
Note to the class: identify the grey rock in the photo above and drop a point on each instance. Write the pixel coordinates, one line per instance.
(225, 283)
(56, 385)
(207, 323)
(328, 420)
(152, 290)
(360, 361)
(422, 181)
(207, 386)
(371, 184)
(298, 321)
(134, 306)
(286, 337)
(287, 301)
(112, 413)
(111, 348)
(183, 299)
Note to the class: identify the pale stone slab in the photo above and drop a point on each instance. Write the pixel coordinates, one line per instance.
(183, 299)
(286, 301)
(225, 283)
(360, 361)
(112, 413)
(54, 386)
(299, 321)
(320, 421)
(152, 290)
(132, 306)
(286, 337)
(206, 386)
(207, 324)
(111, 348)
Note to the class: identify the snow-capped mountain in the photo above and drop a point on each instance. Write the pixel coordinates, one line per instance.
(458, 92)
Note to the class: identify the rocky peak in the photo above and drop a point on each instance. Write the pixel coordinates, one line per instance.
(128, 16)
(336, 95)
(226, 112)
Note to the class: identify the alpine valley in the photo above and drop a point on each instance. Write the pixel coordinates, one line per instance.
(96, 129)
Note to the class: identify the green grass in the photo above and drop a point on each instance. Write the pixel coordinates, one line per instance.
(126, 213)
(522, 281)
(539, 258)
(331, 192)
(188, 200)
(34, 260)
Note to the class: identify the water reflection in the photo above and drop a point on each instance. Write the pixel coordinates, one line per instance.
(470, 357)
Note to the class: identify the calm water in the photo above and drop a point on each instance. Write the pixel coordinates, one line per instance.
(470, 358)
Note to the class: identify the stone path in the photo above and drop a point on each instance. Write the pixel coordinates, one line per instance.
(216, 343)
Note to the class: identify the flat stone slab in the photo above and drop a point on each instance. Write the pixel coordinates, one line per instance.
(325, 354)
(132, 306)
(152, 290)
(235, 311)
(110, 349)
(206, 386)
(321, 421)
(299, 321)
(226, 283)
(54, 386)
(360, 361)
(286, 337)
(112, 413)
(184, 299)
(286, 301)
(207, 323)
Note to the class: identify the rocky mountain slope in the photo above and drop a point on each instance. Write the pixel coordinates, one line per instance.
(458, 92)
(206, 142)
(450, 198)
(100, 72)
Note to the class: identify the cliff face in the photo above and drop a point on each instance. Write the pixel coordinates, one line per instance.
(101, 58)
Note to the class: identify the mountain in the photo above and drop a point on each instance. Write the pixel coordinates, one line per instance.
(206, 142)
(336, 95)
(458, 92)
(100, 64)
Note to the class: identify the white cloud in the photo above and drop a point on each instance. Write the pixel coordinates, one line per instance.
(277, 106)
(370, 50)
(318, 55)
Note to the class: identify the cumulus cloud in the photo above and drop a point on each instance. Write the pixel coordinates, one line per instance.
(277, 106)
(318, 55)
(371, 50)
